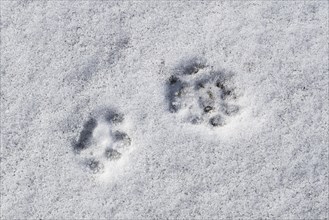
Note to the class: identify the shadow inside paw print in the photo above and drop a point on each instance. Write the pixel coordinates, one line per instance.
(190, 66)
(94, 165)
(175, 90)
(102, 140)
(85, 135)
(216, 121)
(122, 138)
(201, 95)
(112, 154)
(113, 117)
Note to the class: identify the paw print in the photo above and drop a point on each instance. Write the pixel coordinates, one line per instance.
(102, 140)
(200, 95)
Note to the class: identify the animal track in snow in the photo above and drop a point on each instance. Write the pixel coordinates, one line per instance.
(102, 140)
(200, 95)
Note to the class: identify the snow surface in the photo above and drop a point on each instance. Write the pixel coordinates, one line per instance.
(64, 63)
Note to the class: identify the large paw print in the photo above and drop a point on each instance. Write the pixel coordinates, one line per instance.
(102, 140)
(201, 95)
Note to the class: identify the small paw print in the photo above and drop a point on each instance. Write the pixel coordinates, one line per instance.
(102, 140)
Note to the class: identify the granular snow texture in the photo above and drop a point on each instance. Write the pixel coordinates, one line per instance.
(168, 109)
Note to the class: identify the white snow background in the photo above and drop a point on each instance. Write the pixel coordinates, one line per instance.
(64, 61)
